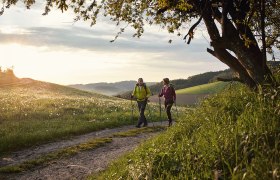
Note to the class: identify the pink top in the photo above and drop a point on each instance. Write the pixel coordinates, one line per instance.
(168, 92)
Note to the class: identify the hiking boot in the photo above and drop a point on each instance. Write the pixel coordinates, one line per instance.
(170, 123)
(137, 126)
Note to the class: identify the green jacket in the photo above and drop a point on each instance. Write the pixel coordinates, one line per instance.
(142, 94)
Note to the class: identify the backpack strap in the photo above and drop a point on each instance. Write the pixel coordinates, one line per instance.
(145, 88)
(173, 90)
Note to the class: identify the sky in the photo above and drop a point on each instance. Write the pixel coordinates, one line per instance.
(53, 48)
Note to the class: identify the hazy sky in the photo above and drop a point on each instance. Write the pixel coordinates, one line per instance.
(52, 48)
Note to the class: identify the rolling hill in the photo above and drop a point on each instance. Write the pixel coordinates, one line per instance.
(36, 112)
(209, 88)
(195, 80)
(109, 89)
(192, 95)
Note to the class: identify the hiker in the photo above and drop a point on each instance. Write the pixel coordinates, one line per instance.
(169, 94)
(141, 92)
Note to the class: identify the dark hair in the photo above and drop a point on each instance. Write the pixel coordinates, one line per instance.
(166, 80)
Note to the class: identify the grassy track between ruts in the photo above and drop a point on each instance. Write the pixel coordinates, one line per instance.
(73, 150)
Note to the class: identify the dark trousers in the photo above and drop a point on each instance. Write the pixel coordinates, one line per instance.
(168, 106)
(142, 118)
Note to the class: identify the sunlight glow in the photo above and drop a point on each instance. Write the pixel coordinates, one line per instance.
(13, 30)
(57, 65)
(54, 49)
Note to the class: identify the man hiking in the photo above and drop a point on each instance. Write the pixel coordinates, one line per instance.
(169, 94)
(141, 92)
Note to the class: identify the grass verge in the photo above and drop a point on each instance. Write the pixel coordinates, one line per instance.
(62, 153)
(135, 132)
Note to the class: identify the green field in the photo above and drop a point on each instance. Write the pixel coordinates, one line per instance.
(210, 88)
(231, 135)
(39, 112)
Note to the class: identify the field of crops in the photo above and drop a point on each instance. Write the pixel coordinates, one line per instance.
(204, 89)
(39, 112)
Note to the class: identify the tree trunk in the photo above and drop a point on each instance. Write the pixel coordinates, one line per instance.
(247, 62)
(225, 57)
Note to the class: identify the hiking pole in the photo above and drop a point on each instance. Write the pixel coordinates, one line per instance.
(132, 108)
(176, 108)
(159, 101)
(149, 109)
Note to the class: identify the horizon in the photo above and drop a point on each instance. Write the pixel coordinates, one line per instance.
(5, 68)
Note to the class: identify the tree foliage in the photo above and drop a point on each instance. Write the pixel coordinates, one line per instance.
(235, 27)
(7, 76)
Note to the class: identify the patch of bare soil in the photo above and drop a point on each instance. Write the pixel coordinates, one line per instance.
(80, 165)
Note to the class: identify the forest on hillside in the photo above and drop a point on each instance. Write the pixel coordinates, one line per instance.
(191, 81)
(7, 76)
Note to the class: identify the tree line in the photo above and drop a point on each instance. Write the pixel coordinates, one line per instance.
(191, 81)
(7, 76)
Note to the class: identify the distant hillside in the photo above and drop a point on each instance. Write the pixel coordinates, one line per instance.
(108, 88)
(192, 95)
(209, 88)
(195, 80)
(34, 112)
(191, 81)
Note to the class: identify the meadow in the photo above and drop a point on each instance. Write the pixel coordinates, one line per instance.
(209, 88)
(39, 112)
(231, 135)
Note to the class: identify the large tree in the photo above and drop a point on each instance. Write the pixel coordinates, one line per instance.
(241, 31)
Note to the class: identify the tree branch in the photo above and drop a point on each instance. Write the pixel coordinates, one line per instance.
(171, 4)
(191, 33)
(272, 40)
(220, 43)
(162, 10)
(240, 16)
(224, 16)
(211, 52)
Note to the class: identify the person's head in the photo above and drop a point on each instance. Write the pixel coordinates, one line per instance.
(165, 81)
(140, 81)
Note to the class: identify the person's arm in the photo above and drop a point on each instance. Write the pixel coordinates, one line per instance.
(133, 92)
(161, 93)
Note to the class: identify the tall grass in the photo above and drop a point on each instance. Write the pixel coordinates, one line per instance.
(232, 135)
(41, 112)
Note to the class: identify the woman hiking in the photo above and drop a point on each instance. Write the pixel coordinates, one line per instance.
(141, 92)
(168, 92)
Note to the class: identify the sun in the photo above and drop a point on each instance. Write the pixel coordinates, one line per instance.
(22, 58)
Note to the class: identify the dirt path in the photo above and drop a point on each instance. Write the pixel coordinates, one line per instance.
(80, 165)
